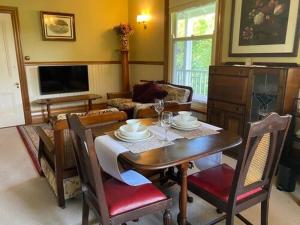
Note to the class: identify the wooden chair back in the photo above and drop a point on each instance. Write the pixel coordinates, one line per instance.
(257, 163)
(149, 112)
(89, 170)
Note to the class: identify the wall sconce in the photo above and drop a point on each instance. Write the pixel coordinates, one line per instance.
(143, 18)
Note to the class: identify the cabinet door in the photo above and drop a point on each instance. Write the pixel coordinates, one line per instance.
(234, 122)
(216, 117)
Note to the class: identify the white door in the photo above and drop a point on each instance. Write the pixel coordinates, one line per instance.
(11, 107)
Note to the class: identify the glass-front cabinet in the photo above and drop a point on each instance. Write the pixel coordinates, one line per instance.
(266, 92)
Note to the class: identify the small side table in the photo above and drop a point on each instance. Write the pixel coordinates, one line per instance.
(52, 101)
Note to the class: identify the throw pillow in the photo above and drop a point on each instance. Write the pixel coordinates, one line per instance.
(152, 93)
(139, 89)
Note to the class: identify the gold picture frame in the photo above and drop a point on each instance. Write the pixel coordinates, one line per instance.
(58, 26)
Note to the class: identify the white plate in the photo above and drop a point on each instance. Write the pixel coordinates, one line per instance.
(194, 127)
(137, 137)
(122, 138)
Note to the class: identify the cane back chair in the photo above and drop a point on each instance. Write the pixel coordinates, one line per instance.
(114, 202)
(233, 191)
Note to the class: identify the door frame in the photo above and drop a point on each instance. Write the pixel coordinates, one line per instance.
(13, 11)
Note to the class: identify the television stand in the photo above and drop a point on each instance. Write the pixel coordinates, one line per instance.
(52, 101)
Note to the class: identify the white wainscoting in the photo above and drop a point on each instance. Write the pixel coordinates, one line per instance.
(145, 72)
(103, 78)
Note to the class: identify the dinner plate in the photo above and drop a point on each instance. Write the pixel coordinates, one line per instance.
(122, 138)
(184, 123)
(140, 133)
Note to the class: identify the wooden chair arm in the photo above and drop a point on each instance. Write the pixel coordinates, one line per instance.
(45, 139)
(127, 94)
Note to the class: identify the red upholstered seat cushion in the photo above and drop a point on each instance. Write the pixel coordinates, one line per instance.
(121, 197)
(147, 93)
(217, 181)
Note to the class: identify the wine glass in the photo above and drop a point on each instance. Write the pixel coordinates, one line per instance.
(166, 122)
(159, 107)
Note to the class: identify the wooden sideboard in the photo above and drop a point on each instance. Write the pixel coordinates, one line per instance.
(238, 94)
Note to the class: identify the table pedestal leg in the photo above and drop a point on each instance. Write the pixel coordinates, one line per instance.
(182, 219)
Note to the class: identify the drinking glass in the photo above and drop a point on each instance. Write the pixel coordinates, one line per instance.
(166, 122)
(159, 107)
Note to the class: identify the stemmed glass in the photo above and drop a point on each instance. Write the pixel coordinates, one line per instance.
(166, 122)
(159, 107)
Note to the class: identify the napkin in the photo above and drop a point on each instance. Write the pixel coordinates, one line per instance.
(108, 150)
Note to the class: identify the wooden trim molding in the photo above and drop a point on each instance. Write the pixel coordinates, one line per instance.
(13, 11)
(54, 63)
(158, 63)
(166, 39)
(219, 32)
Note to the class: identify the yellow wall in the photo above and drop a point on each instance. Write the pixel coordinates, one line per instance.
(147, 44)
(226, 58)
(94, 20)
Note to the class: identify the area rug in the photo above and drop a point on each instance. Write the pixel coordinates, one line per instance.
(31, 141)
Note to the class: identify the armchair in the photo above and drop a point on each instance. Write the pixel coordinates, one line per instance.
(56, 151)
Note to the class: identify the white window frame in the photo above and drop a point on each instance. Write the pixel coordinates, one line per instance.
(173, 39)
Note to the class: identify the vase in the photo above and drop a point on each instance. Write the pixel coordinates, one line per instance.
(124, 42)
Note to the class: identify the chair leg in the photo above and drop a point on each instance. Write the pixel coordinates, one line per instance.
(167, 217)
(85, 212)
(264, 212)
(229, 218)
(60, 193)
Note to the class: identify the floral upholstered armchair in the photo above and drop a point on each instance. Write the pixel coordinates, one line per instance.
(56, 152)
(144, 94)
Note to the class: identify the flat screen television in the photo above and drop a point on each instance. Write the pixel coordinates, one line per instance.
(63, 79)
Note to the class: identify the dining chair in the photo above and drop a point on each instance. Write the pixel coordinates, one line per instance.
(114, 201)
(234, 190)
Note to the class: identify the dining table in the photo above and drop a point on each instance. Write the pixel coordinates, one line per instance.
(179, 154)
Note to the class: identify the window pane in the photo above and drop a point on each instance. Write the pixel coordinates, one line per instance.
(195, 21)
(179, 54)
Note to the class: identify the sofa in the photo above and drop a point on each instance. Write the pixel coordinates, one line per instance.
(143, 95)
(56, 154)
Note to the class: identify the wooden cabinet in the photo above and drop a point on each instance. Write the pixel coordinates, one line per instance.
(238, 95)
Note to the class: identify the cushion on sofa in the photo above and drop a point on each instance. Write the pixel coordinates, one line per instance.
(177, 94)
(63, 116)
(153, 92)
(139, 89)
(121, 103)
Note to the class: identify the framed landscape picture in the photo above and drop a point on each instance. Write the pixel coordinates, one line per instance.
(264, 28)
(58, 26)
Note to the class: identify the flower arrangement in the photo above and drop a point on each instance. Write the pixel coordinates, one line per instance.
(124, 29)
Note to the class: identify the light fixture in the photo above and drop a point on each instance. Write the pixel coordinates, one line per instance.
(143, 18)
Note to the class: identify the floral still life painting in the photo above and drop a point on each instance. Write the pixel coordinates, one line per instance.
(261, 24)
(264, 22)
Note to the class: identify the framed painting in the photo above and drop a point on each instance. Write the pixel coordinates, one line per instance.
(58, 26)
(264, 28)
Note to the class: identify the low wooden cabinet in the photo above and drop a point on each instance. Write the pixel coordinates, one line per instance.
(238, 95)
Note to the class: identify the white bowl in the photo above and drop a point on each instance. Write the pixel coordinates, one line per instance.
(186, 122)
(133, 125)
(141, 132)
(184, 115)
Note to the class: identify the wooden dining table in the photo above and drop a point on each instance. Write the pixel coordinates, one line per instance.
(178, 154)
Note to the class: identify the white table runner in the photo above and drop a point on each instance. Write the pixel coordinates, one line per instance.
(108, 148)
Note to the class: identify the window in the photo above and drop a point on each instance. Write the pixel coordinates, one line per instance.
(192, 42)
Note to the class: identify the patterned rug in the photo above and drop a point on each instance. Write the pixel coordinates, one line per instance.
(31, 141)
